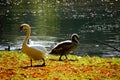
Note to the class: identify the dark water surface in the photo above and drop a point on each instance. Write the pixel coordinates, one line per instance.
(53, 21)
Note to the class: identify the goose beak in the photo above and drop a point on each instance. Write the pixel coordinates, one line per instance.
(21, 28)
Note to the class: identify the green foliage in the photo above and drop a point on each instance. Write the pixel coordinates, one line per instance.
(14, 65)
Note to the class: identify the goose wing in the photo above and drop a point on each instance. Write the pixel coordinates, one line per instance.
(63, 47)
(42, 49)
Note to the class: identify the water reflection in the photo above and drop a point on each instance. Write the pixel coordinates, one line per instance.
(91, 19)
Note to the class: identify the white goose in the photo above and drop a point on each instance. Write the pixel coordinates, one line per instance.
(34, 54)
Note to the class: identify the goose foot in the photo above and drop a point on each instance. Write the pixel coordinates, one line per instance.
(66, 56)
(43, 62)
(60, 58)
(31, 62)
(40, 65)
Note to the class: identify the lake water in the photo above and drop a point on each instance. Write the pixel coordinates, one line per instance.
(53, 21)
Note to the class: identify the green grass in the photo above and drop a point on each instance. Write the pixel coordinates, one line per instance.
(14, 65)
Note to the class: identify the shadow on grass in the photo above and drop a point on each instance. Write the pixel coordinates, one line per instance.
(35, 66)
(62, 60)
(53, 59)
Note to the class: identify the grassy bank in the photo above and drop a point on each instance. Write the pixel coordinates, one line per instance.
(15, 66)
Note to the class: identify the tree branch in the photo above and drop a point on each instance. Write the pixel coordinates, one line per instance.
(116, 49)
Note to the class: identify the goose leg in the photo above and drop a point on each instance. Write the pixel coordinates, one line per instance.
(31, 62)
(60, 58)
(43, 62)
(66, 56)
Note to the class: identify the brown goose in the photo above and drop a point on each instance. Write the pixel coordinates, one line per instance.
(65, 47)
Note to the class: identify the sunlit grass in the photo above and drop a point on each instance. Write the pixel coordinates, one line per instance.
(14, 65)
